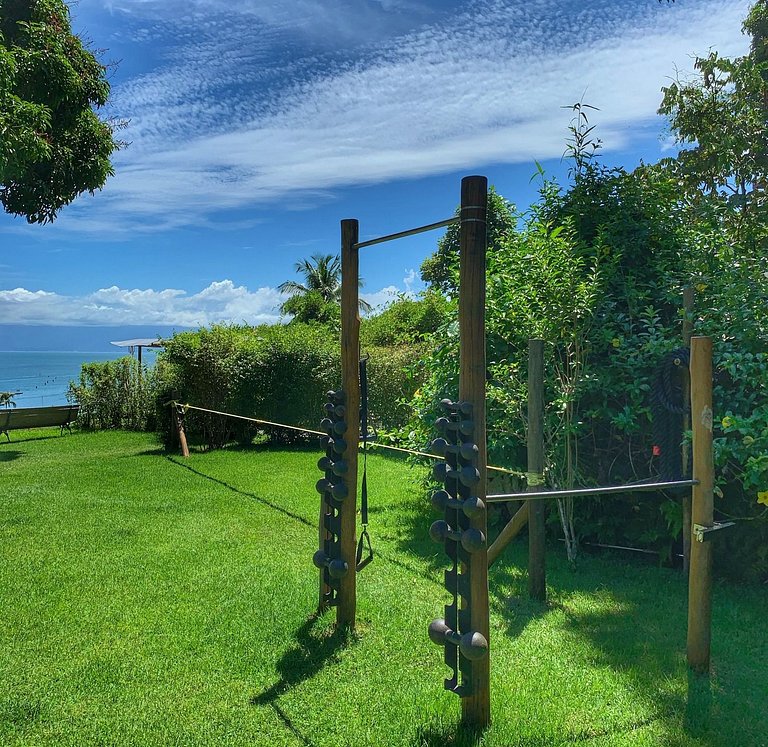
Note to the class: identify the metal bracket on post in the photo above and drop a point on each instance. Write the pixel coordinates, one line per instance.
(703, 532)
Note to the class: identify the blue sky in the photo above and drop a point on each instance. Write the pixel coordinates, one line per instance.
(255, 126)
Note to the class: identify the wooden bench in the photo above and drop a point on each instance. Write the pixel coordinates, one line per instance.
(38, 417)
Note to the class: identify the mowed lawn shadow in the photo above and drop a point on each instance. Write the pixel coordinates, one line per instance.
(315, 648)
(447, 735)
(297, 517)
(636, 627)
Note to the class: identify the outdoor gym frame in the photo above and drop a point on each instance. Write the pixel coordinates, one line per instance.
(464, 529)
(338, 489)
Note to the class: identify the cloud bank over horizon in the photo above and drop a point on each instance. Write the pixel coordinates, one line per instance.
(250, 102)
(221, 302)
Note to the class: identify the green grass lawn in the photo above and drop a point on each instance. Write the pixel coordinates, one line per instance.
(151, 600)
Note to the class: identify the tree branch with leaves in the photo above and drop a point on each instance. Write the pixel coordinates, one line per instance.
(53, 144)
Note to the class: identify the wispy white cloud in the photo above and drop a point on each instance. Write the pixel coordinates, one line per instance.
(381, 298)
(229, 120)
(220, 302)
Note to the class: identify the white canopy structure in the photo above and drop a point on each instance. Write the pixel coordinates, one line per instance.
(138, 344)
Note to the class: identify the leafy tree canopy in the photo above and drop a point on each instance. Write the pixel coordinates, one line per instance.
(721, 116)
(441, 270)
(53, 145)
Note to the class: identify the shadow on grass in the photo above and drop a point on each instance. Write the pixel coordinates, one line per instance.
(34, 438)
(635, 627)
(314, 649)
(698, 710)
(9, 456)
(158, 451)
(447, 735)
(18, 712)
(234, 489)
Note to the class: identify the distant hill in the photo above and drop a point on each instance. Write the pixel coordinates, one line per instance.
(85, 339)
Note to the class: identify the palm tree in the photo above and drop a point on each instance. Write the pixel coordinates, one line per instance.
(6, 399)
(322, 275)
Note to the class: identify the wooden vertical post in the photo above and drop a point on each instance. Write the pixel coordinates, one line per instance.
(178, 415)
(537, 578)
(350, 383)
(688, 299)
(702, 511)
(476, 708)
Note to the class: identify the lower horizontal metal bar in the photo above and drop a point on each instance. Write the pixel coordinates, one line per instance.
(540, 495)
(403, 234)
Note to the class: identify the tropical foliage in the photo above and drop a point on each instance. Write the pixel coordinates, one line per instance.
(317, 299)
(6, 399)
(53, 145)
(116, 394)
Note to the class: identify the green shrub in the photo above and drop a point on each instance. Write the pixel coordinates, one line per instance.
(115, 394)
(279, 373)
(394, 375)
(405, 321)
(598, 272)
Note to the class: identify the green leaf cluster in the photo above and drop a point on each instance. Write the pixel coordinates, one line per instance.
(53, 144)
(117, 394)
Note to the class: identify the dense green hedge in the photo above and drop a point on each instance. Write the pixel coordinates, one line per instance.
(278, 373)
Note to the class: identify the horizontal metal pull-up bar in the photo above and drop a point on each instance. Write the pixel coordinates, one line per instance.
(403, 234)
(540, 495)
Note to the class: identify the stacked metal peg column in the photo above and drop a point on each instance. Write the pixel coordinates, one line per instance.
(332, 491)
(459, 504)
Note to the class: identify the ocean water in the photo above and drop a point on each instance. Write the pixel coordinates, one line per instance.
(43, 377)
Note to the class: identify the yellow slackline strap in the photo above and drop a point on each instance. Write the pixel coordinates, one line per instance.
(255, 420)
(321, 433)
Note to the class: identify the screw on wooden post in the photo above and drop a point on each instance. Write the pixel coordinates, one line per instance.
(350, 382)
(702, 510)
(537, 578)
(688, 299)
(476, 707)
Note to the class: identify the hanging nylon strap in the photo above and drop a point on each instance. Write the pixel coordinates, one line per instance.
(365, 540)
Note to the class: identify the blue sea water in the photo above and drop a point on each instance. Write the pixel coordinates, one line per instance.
(43, 377)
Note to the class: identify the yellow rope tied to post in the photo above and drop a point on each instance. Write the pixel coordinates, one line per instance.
(534, 479)
(187, 407)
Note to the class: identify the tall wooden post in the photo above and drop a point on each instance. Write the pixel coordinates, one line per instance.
(688, 298)
(702, 510)
(350, 383)
(537, 578)
(476, 708)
